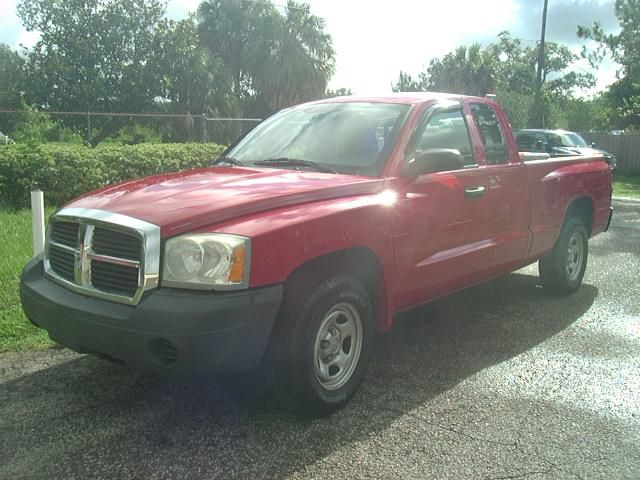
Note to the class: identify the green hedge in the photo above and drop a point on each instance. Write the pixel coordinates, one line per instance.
(66, 171)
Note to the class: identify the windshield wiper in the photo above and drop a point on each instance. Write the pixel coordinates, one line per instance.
(228, 161)
(294, 162)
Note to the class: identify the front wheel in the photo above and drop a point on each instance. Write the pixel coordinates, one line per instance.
(323, 343)
(561, 271)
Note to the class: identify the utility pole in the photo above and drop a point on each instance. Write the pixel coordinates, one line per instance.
(536, 114)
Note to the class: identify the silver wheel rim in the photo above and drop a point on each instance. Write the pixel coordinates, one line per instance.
(575, 256)
(338, 346)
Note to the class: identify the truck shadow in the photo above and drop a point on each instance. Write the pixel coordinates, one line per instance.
(88, 418)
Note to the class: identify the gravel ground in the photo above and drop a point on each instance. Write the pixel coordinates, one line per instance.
(499, 381)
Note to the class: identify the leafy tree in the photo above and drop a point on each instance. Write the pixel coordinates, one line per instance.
(583, 115)
(340, 92)
(516, 68)
(517, 106)
(515, 65)
(508, 69)
(406, 83)
(12, 84)
(36, 127)
(623, 99)
(192, 80)
(466, 70)
(275, 60)
(300, 62)
(191, 77)
(228, 28)
(92, 55)
(624, 48)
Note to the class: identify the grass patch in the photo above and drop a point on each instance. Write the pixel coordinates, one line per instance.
(16, 332)
(624, 186)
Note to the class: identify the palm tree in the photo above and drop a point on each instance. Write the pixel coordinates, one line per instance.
(227, 29)
(301, 60)
(276, 60)
(469, 71)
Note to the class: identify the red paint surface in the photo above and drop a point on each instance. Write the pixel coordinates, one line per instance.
(429, 239)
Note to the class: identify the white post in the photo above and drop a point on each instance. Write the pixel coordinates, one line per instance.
(37, 221)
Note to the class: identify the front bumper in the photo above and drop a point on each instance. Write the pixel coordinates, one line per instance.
(169, 330)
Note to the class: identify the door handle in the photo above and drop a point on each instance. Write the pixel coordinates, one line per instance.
(474, 192)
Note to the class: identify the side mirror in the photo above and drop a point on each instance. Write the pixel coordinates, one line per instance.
(433, 160)
(593, 144)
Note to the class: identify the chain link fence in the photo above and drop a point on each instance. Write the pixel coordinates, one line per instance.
(122, 128)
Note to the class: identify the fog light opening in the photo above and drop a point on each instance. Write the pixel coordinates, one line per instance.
(163, 352)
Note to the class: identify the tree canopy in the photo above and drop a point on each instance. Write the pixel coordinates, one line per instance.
(93, 55)
(274, 59)
(247, 58)
(12, 85)
(233, 58)
(622, 98)
(508, 69)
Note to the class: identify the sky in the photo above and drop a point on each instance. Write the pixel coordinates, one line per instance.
(374, 40)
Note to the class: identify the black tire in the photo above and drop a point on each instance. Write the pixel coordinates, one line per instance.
(562, 270)
(295, 352)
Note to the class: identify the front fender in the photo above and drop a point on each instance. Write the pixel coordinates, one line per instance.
(284, 239)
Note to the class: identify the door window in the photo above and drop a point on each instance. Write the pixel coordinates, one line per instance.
(446, 129)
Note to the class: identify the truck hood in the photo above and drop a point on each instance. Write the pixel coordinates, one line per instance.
(184, 201)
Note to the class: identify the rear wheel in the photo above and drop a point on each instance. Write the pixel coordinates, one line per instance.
(561, 271)
(322, 344)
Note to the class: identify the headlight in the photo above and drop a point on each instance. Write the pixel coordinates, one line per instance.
(207, 261)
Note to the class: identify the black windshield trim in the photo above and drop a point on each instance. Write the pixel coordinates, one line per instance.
(293, 162)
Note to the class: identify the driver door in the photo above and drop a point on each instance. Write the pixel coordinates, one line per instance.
(441, 232)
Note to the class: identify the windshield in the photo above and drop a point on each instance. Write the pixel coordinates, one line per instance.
(346, 137)
(566, 140)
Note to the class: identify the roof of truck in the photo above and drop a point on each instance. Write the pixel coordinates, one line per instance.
(410, 98)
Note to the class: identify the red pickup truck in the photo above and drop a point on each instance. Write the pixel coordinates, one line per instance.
(301, 243)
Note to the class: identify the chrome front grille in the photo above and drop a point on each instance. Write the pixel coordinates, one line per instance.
(113, 278)
(65, 233)
(62, 261)
(116, 244)
(103, 254)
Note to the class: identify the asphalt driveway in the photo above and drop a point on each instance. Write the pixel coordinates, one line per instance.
(500, 381)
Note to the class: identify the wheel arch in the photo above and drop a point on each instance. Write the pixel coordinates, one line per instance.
(581, 207)
(362, 262)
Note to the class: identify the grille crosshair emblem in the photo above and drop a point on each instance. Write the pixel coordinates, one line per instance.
(82, 261)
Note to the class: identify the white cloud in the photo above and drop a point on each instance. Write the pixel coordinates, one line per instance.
(27, 39)
(374, 41)
(179, 9)
(10, 26)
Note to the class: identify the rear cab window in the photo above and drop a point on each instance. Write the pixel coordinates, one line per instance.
(493, 139)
